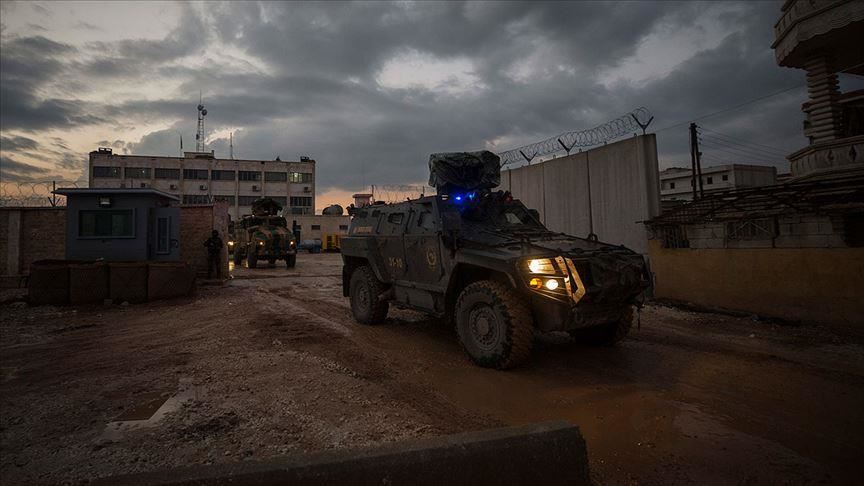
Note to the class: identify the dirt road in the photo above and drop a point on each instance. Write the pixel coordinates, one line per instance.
(272, 364)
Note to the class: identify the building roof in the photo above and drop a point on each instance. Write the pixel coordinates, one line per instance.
(837, 191)
(680, 171)
(70, 191)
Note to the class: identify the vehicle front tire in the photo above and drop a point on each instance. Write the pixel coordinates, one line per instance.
(364, 290)
(291, 261)
(238, 257)
(608, 334)
(494, 325)
(252, 259)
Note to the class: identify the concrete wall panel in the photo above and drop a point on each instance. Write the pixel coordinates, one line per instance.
(624, 189)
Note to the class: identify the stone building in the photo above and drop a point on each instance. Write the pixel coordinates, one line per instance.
(201, 178)
(824, 37)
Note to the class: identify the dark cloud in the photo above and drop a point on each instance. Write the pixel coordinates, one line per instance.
(304, 79)
(17, 143)
(13, 171)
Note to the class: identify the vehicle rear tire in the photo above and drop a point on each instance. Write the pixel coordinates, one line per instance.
(252, 260)
(291, 261)
(608, 334)
(365, 288)
(494, 325)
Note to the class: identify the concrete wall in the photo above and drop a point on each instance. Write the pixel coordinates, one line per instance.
(621, 178)
(30, 234)
(808, 284)
(792, 231)
(196, 224)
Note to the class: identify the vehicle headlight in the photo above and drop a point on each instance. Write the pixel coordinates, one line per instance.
(541, 265)
(230, 243)
(293, 244)
(260, 243)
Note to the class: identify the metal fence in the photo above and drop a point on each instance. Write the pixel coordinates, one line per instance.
(35, 193)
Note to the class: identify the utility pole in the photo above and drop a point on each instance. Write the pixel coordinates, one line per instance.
(693, 158)
(698, 161)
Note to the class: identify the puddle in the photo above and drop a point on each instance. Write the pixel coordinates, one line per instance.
(150, 410)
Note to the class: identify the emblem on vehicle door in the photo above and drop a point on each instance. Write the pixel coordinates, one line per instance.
(431, 257)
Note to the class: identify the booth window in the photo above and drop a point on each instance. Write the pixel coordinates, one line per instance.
(106, 223)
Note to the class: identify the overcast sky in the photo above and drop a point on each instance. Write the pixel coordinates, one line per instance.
(370, 89)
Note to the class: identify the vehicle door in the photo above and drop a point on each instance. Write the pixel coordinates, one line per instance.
(423, 247)
(391, 229)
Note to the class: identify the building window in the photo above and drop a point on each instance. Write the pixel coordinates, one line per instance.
(710, 180)
(167, 173)
(246, 200)
(223, 175)
(275, 176)
(106, 223)
(137, 172)
(196, 199)
(228, 199)
(199, 174)
(671, 185)
(298, 210)
(725, 177)
(280, 200)
(300, 177)
(751, 229)
(316, 227)
(343, 227)
(106, 171)
(301, 201)
(672, 236)
(249, 175)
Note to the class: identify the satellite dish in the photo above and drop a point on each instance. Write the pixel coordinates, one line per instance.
(200, 107)
(203, 112)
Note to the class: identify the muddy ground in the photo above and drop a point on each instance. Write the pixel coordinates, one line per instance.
(272, 364)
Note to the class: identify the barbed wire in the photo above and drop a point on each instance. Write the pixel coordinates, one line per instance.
(625, 124)
(23, 194)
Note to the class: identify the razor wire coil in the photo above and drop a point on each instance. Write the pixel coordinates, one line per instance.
(625, 124)
(22, 194)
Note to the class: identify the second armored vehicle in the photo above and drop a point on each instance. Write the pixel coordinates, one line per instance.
(484, 261)
(264, 235)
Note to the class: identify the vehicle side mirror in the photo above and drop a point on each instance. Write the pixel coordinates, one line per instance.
(534, 214)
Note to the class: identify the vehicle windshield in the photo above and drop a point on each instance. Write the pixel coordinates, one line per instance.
(510, 215)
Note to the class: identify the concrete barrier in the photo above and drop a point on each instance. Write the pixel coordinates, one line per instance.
(548, 453)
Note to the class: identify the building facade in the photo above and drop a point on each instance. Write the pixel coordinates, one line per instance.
(201, 178)
(676, 183)
(824, 37)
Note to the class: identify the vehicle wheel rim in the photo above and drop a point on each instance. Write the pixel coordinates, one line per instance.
(485, 327)
(363, 297)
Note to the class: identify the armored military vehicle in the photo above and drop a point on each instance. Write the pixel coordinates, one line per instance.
(264, 235)
(485, 262)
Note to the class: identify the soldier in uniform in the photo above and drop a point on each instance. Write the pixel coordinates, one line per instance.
(214, 252)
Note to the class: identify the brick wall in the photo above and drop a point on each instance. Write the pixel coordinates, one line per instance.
(196, 224)
(28, 235)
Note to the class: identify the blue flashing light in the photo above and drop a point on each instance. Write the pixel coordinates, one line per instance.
(458, 198)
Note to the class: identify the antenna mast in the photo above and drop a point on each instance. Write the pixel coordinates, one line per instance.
(199, 135)
(231, 145)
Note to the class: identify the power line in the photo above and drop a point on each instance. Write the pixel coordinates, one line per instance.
(740, 152)
(731, 108)
(734, 144)
(737, 153)
(742, 141)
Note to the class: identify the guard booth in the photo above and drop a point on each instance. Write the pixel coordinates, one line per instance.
(121, 224)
